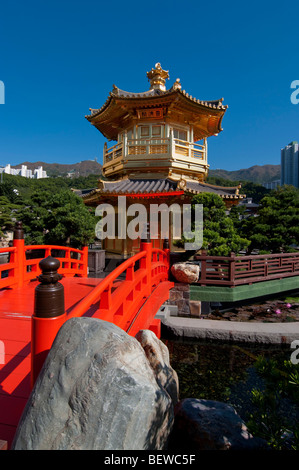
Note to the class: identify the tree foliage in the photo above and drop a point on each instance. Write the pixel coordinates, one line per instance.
(51, 213)
(250, 189)
(57, 218)
(220, 237)
(254, 191)
(276, 228)
(7, 210)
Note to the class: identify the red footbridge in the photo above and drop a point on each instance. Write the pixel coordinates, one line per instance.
(42, 286)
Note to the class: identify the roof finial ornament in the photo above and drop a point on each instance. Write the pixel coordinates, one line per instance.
(157, 77)
(177, 85)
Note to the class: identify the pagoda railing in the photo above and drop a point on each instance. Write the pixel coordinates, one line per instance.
(155, 146)
(148, 146)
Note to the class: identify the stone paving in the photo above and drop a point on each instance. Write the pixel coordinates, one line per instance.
(238, 331)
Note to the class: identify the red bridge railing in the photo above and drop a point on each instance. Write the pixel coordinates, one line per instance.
(23, 260)
(117, 299)
(239, 270)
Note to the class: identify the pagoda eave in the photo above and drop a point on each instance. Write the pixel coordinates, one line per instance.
(157, 190)
(119, 109)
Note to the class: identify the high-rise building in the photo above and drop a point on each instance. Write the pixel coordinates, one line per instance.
(24, 171)
(290, 164)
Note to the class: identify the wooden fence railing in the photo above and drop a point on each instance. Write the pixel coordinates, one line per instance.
(239, 270)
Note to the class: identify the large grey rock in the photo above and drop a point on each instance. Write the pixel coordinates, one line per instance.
(185, 272)
(96, 391)
(158, 356)
(210, 425)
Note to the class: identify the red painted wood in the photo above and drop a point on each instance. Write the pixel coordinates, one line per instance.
(20, 269)
(145, 316)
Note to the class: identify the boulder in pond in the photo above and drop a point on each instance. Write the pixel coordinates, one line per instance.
(185, 272)
(210, 425)
(158, 356)
(96, 391)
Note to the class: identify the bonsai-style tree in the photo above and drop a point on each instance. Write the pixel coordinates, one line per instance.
(276, 228)
(60, 218)
(220, 237)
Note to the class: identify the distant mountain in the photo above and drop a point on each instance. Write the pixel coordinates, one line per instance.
(256, 174)
(83, 168)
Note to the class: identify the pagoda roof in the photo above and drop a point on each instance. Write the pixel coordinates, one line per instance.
(205, 116)
(225, 192)
(153, 187)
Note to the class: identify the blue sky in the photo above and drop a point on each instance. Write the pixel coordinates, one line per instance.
(60, 58)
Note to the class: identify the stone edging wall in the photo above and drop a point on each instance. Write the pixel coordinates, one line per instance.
(179, 295)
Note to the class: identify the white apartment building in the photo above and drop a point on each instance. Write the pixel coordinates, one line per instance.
(272, 185)
(289, 171)
(24, 171)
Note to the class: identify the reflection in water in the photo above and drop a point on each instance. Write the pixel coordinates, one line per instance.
(220, 371)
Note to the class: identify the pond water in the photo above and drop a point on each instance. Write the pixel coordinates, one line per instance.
(220, 371)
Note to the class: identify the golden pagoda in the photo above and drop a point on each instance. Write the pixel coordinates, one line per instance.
(160, 149)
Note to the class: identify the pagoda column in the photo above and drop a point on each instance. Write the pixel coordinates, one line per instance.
(125, 144)
(104, 152)
(205, 142)
(171, 143)
(191, 141)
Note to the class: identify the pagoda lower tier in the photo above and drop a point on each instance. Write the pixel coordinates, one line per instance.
(147, 192)
(155, 188)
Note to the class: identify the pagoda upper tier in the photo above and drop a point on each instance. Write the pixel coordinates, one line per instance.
(158, 132)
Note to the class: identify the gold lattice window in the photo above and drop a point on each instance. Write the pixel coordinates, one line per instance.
(144, 131)
(180, 134)
(156, 131)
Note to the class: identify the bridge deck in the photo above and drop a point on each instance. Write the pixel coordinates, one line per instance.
(16, 309)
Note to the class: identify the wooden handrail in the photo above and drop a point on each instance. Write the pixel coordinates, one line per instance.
(236, 270)
(143, 142)
(107, 282)
(131, 281)
(20, 269)
(119, 307)
(52, 247)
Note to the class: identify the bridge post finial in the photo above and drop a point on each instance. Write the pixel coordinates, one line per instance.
(49, 313)
(166, 244)
(19, 256)
(49, 294)
(18, 231)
